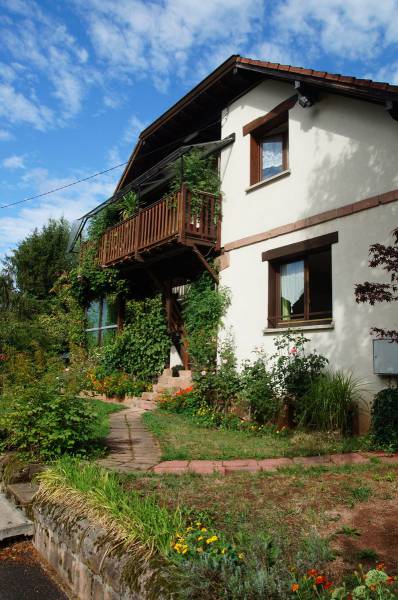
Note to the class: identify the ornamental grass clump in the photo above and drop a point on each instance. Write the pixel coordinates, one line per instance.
(330, 402)
(134, 523)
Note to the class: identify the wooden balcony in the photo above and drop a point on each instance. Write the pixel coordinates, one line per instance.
(170, 221)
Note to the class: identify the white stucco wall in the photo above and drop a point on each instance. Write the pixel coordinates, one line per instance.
(340, 151)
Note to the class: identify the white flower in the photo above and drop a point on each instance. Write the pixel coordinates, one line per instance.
(203, 373)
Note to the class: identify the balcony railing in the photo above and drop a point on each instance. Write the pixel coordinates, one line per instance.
(172, 218)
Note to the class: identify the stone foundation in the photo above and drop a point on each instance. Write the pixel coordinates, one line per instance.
(87, 562)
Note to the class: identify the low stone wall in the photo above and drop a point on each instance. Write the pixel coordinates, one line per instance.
(86, 561)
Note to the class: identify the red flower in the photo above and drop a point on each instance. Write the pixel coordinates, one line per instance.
(312, 573)
(3, 356)
(380, 566)
(390, 580)
(327, 585)
(320, 579)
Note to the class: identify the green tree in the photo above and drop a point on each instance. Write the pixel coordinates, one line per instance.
(39, 259)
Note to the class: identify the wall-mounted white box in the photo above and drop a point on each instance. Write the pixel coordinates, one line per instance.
(385, 357)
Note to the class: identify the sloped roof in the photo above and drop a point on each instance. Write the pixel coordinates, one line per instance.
(201, 107)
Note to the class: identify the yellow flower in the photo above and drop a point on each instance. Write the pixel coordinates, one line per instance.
(184, 549)
(211, 539)
(223, 551)
(189, 528)
(241, 556)
(178, 547)
(198, 524)
(203, 529)
(200, 538)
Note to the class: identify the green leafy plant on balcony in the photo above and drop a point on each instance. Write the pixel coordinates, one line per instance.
(200, 174)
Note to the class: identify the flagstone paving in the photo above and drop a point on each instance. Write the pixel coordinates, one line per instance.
(133, 447)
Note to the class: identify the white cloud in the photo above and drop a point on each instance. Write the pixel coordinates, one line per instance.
(349, 29)
(272, 52)
(159, 39)
(14, 162)
(17, 108)
(71, 203)
(44, 49)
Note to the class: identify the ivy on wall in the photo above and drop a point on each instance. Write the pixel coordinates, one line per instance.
(142, 347)
(203, 310)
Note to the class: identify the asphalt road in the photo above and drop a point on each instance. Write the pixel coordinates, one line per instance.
(23, 578)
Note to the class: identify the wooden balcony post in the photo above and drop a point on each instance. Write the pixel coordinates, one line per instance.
(182, 206)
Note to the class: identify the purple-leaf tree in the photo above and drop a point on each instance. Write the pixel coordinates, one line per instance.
(385, 257)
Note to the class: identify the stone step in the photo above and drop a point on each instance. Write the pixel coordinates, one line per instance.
(21, 494)
(12, 521)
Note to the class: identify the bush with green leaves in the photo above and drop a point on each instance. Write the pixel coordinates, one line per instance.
(293, 369)
(385, 418)
(219, 387)
(330, 402)
(204, 307)
(46, 419)
(259, 392)
(141, 349)
(200, 175)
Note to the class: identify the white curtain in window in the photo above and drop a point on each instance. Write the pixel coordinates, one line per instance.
(292, 285)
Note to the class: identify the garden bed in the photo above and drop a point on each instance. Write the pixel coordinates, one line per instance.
(181, 438)
(287, 523)
(258, 534)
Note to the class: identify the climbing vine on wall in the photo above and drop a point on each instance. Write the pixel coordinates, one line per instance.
(142, 347)
(203, 310)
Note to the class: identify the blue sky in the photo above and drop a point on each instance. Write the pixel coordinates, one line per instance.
(79, 80)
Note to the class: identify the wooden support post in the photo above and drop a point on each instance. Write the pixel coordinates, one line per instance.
(205, 264)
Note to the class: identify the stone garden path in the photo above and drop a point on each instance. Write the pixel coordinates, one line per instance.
(133, 447)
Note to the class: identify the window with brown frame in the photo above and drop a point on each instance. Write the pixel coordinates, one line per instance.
(300, 284)
(269, 153)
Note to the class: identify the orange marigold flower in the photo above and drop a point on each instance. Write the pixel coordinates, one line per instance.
(320, 579)
(295, 587)
(390, 580)
(312, 573)
(380, 566)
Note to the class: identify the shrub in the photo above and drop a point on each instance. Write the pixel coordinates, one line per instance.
(117, 384)
(142, 348)
(258, 391)
(294, 370)
(184, 401)
(203, 309)
(219, 387)
(329, 403)
(45, 420)
(385, 418)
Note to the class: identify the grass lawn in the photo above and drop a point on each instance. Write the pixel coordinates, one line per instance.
(326, 518)
(181, 439)
(103, 410)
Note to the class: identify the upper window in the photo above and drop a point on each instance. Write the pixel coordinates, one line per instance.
(300, 282)
(269, 153)
(101, 322)
(269, 142)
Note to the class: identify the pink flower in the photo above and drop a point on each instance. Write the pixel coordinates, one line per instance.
(3, 357)
(293, 350)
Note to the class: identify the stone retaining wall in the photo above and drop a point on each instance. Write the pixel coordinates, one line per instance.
(85, 560)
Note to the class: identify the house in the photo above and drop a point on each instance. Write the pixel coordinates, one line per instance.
(309, 171)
